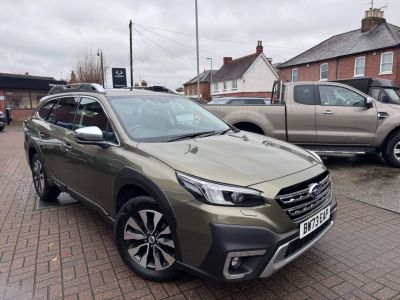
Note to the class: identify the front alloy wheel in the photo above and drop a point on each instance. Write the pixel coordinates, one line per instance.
(144, 239)
(391, 151)
(148, 240)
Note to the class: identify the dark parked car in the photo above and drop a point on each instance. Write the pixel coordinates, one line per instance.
(240, 101)
(2, 120)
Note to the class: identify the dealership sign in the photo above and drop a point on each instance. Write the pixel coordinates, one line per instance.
(119, 77)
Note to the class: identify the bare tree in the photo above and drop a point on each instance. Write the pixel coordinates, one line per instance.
(87, 68)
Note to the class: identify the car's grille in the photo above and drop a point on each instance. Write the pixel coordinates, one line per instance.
(300, 243)
(297, 202)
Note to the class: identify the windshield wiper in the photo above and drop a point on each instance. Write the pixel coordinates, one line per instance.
(198, 134)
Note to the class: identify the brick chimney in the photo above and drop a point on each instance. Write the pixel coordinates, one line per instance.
(373, 17)
(227, 60)
(259, 48)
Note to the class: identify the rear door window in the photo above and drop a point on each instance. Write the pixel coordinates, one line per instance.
(45, 109)
(63, 112)
(304, 94)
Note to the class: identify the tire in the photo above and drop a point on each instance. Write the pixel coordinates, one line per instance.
(1, 129)
(391, 152)
(45, 191)
(147, 250)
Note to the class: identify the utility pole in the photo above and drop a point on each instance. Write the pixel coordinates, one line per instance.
(130, 51)
(100, 53)
(197, 51)
(211, 75)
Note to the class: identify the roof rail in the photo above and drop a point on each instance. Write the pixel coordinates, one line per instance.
(77, 87)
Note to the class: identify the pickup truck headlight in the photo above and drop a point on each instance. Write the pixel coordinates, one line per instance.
(218, 193)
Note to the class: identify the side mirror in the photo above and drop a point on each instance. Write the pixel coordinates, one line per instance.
(369, 103)
(89, 135)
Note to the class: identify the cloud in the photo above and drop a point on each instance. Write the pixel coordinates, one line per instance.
(43, 37)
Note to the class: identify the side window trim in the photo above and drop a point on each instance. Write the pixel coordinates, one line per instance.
(109, 122)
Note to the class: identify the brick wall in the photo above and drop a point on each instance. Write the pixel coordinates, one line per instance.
(2, 102)
(343, 67)
(204, 90)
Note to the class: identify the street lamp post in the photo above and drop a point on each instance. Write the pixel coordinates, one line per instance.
(197, 51)
(211, 75)
(100, 53)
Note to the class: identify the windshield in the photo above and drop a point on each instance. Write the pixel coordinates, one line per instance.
(394, 95)
(164, 118)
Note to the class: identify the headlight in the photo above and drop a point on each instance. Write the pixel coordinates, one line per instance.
(220, 194)
(315, 155)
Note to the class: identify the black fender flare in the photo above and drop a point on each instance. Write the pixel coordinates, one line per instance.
(129, 176)
(32, 144)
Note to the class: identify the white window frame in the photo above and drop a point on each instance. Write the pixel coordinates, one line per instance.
(320, 71)
(297, 74)
(381, 63)
(234, 84)
(224, 86)
(215, 87)
(355, 66)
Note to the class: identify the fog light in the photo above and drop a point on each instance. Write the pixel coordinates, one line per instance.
(235, 262)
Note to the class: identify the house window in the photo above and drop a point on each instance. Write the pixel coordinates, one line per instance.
(225, 84)
(192, 90)
(386, 63)
(359, 66)
(295, 74)
(215, 87)
(234, 84)
(323, 71)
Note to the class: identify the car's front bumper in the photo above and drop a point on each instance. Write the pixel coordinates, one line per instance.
(262, 251)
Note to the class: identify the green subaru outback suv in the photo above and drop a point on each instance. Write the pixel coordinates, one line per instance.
(183, 189)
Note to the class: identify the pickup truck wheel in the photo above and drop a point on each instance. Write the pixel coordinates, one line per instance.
(391, 153)
(45, 191)
(144, 239)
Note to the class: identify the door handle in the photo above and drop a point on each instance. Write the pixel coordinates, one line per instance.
(327, 112)
(67, 147)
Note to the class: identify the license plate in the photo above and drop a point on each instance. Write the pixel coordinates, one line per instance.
(314, 222)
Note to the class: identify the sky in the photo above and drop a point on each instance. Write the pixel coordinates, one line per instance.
(46, 37)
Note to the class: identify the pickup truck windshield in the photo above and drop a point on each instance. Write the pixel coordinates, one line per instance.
(164, 118)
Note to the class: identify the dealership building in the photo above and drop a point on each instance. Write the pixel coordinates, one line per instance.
(22, 93)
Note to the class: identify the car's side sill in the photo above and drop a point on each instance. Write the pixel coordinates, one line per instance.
(87, 202)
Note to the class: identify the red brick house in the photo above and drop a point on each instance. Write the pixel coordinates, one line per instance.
(371, 51)
(190, 87)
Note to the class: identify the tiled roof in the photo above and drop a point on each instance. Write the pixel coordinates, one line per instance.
(381, 36)
(204, 77)
(235, 68)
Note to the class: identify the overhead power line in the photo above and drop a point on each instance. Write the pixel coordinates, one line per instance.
(212, 38)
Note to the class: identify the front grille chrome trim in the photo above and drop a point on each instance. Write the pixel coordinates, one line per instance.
(299, 204)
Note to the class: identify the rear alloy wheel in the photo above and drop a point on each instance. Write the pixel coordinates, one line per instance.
(45, 191)
(145, 241)
(391, 153)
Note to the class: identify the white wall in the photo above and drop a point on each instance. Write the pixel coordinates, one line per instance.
(258, 78)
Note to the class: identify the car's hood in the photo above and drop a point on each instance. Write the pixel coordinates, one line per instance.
(241, 159)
